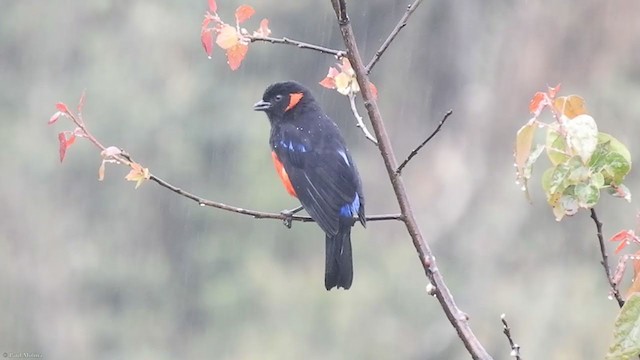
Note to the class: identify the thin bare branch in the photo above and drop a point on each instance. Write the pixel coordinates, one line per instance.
(401, 24)
(360, 124)
(302, 45)
(605, 259)
(419, 147)
(506, 330)
(458, 319)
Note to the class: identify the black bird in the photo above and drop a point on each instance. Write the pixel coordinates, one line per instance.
(315, 166)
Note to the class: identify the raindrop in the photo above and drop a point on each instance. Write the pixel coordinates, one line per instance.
(202, 204)
(523, 188)
(610, 297)
(209, 57)
(517, 182)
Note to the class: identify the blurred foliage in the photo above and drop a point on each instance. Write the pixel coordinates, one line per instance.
(98, 270)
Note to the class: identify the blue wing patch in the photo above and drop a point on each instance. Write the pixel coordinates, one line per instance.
(293, 146)
(349, 210)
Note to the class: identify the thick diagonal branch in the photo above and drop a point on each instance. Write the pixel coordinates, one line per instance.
(457, 317)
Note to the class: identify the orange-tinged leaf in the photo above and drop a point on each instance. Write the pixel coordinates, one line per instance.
(571, 106)
(635, 281)
(138, 174)
(54, 117)
(63, 145)
(524, 141)
(333, 72)
(235, 55)
(346, 67)
(537, 103)
(328, 82)
(243, 13)
(264, 30)
(213, 7)
(622, 235)
(206, 37)
(101, 171)
(227, 37)
(62, 107)
(374, 90)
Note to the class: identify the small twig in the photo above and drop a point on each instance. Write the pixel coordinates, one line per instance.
(515, 348)
(605, 259)
(401, 24)
(125, 159)
(415, 151)
(302, 45)
(360, 124)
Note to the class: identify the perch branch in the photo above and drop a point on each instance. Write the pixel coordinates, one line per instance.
(458, 319)
(125, 159)
(419, 147)
(401, 24)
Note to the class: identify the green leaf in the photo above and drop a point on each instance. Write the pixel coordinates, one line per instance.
(546, 179)
(556, 147)
(616, 145)
(524, 140)
(616, 168)
(597, 161)
(626, 332)
(558, 177)
(587, 195)
(597, 180)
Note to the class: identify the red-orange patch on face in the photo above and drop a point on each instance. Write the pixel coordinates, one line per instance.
(294, 99)
(283, 174)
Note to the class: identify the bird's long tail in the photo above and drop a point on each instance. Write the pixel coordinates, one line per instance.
(339, 262)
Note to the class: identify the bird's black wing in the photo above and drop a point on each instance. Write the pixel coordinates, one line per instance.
(323, 175)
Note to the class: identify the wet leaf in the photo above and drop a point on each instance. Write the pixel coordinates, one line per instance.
(570, 106)
(374, 90)
(65, 139)
(235, 55)
(624, 237)
(582, 136)
(101, 171)
(138, 174)
(556, 147)
(635, 281)
(62, 107)
(263, 30)
(227, 37)
(206, 37)
(54, 117)
(553, 91)
(626, 338)
(587, 195)
(537, 103)
(620, 191)
(616, 168)
(524, 141)
(615, 144)
(243, 13)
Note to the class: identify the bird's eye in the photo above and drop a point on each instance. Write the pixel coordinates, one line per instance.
(278, 97)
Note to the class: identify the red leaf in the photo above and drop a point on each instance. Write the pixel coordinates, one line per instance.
(70, 140)
(264, 30)
(537, 103)
(62, 107)
(374, 90)
(206, 37)
(54, 117)
(235, 55)
(81, 102)
(205, 23)
(622, 235)
(63, 145)
(213, 7)
(328, 82)
(243, 13)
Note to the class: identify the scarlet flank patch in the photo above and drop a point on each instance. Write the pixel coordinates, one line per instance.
(283, 173)
(294, 99)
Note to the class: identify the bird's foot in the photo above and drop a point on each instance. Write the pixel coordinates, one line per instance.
(288, 216)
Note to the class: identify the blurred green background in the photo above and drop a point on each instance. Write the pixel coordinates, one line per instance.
(98, 270)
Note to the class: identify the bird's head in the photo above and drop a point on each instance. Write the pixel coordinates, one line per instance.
(282, 98)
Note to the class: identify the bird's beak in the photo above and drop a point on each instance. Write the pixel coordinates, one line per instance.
(261, 105)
